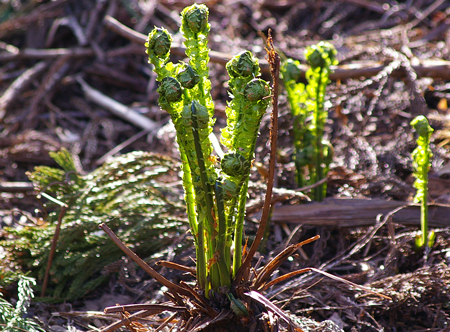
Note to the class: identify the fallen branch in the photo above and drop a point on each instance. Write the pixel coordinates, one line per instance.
(50, 53)
(19, 84)
(356, 70)
(357, 213)
(116, 108)
(16, 187)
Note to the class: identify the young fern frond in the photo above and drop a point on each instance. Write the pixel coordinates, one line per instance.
(297, 97)
(308, 102)
(244, 113)
(182, 87)
(215, 198)
(421, 164)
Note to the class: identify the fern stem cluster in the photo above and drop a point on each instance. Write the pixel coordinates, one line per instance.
(309, 113)
(215, 197)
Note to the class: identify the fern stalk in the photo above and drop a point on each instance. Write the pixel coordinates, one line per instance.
(421, 165)
(215, 197)
(311, 151)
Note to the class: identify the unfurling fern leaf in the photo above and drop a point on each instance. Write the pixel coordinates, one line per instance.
(215, 198)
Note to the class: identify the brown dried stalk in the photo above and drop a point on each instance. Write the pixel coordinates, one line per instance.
(61, 215)
(170, 285)
(153, 309)
(176, 266)
(270, 267)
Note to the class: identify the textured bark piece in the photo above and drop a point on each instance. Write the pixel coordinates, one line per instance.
(358, 212)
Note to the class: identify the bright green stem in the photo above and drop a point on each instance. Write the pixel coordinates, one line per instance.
(197, 229)
(224, 269)
(239, 227)
(318, 191)
(200, 253)
(424, 216)
(209, 202)
(424, 200)
(231, 216)
(189, 192)
(421, 163)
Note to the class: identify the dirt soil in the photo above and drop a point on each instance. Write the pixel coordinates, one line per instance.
(65, 64)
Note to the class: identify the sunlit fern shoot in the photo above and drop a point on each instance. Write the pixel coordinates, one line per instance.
(215, 196)
(421, 164)
(309, 114)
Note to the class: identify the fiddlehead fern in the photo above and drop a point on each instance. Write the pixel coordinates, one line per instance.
(170, 89)
(247, 106)
(320, 57)
(195, 20)
(256, 90)
(244, 113)
(235, 165)
(215, 198)
(421, 164)
(158, 45)
(308, 102)
(188, 77)
(243, 65)
(195, 29)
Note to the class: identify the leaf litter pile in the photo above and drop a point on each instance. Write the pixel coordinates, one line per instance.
(74, 75)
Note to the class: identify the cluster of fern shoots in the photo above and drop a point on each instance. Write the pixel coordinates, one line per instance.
(312, 154)
(215, 190)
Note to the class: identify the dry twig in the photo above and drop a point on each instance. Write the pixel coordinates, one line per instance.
(116, 108)
(18, 85)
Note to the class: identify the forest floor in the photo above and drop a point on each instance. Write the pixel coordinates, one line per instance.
(66, 66)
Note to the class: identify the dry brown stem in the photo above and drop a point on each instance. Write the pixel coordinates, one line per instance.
(163, 281)
(53, 248)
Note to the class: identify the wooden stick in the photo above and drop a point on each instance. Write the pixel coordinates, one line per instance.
(116, 108)
(51, 53)
(16, 187)
(18, 85)
(337, 212)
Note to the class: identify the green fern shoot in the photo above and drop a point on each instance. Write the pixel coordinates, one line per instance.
(307, 103)
(215, 196)
(421, 164)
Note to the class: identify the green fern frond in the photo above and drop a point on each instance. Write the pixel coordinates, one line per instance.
(12, 319)
(129, 194)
